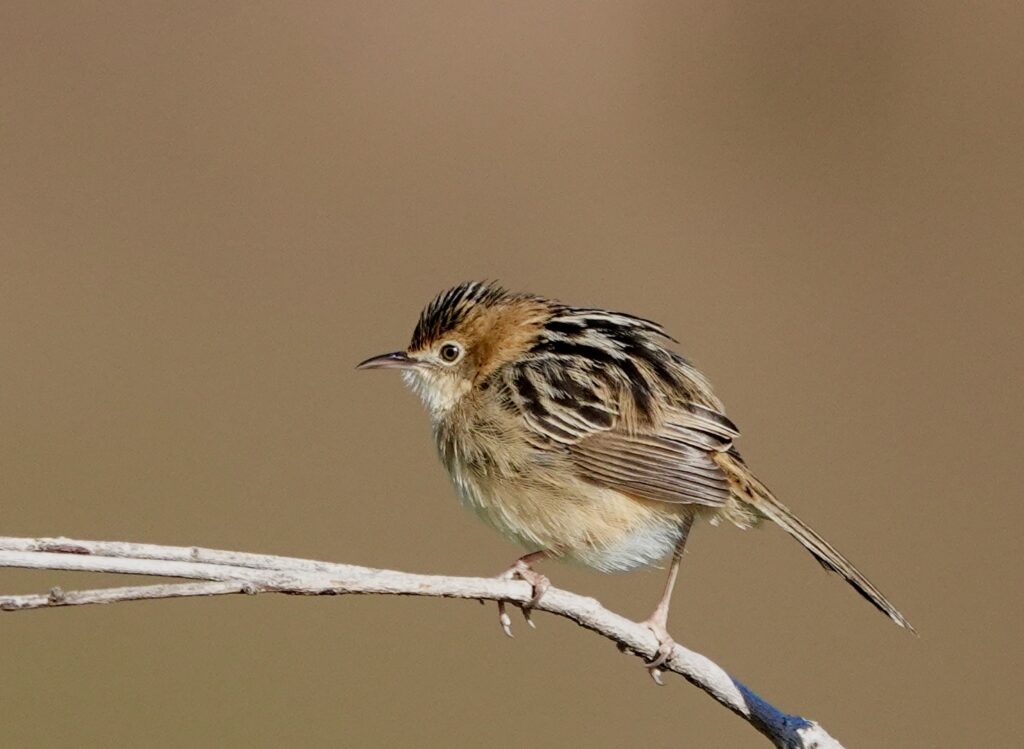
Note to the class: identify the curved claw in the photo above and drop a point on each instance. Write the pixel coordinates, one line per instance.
(664, 653)
(521, 570)
(504, 619)
(527, 616)
(654, 667)
(665, 647)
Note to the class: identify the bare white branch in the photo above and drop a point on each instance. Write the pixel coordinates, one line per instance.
(58, 597)
(225, 572)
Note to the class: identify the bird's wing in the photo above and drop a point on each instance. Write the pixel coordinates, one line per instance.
(668, 461)
(671, 463)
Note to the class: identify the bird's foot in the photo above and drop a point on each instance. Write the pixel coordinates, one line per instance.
(522, 570)
(665, 647)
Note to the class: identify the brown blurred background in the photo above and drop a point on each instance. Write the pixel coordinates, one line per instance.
(209, 212)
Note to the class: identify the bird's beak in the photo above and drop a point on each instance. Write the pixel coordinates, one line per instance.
(394, 360)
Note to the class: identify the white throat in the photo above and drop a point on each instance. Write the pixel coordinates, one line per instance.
(439, 393)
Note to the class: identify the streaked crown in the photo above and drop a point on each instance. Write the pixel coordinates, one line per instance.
(451, 308)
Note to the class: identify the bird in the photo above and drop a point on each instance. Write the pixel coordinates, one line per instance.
(578, 433)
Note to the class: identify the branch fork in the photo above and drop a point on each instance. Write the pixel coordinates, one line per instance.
(214, 572)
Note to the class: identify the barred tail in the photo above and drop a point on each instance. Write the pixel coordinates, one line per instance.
(765, 502)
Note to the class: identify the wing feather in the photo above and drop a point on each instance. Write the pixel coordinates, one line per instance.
(669, 460)
(655, 468)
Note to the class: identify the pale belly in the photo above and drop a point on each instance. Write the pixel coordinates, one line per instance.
(598, 527)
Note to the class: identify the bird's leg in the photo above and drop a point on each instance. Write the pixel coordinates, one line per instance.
(658, 621)
(521, 570)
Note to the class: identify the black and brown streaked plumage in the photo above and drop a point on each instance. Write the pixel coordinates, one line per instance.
(578, 434)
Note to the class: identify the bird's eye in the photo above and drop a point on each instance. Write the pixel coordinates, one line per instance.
(449, 352)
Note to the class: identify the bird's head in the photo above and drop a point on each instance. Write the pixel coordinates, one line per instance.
(463, 336)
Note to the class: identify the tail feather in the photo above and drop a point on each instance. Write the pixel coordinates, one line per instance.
(765, 502)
